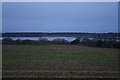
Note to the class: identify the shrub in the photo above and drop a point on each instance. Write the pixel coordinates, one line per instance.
(76, 41)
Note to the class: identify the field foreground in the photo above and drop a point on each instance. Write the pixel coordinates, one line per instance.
(59, 61)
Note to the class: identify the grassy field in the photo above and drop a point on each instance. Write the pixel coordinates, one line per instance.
(61, 61)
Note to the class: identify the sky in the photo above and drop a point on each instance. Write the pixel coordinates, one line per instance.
(0, 17)
(60, 0)
(90, 17)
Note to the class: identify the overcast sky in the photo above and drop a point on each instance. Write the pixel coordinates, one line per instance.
(60, 16)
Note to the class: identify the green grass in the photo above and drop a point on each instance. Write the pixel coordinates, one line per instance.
(61, 61)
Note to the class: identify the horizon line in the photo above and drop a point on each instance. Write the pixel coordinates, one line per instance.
(59, 32)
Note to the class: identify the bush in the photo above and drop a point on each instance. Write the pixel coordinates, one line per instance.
(8, 41)
(76, 41)
(59, 41)
(99, 43)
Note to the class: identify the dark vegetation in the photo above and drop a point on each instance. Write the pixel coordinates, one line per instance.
(53, 34)
(98, 43)
(93, 43)
(44, 41)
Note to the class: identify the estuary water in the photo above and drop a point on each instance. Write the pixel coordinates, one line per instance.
(69, 39)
